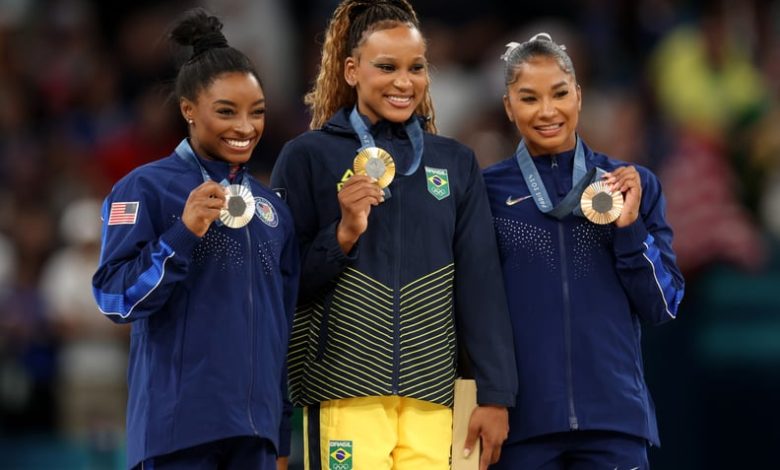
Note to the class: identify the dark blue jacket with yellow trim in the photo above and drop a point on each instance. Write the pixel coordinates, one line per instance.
(382, 320)
(577, 294)
(210, 316)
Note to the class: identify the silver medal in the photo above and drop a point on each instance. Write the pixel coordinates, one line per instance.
(239, 206)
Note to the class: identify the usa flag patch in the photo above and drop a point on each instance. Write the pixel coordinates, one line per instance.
(123, 213)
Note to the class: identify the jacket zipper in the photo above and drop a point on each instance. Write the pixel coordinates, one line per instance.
(252, 335)
(556, 176)
(573, 425)
(396, 292)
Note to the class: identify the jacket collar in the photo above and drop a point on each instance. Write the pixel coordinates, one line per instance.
(339, 124)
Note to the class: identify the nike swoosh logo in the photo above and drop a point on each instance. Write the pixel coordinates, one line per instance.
(512, 202)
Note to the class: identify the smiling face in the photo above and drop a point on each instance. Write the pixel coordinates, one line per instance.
(389, 72)
(544, 102)
(227, 118)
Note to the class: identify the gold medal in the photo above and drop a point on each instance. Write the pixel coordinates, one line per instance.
(376, 163)
(239, 206)
(600, 205)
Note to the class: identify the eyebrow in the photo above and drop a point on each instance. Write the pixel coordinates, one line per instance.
(230, 103)
(560, 84)
(381, 58)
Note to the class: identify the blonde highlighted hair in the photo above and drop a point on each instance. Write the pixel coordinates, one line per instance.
(350, 23)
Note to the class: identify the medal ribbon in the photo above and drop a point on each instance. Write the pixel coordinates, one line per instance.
(185, 152)
(571, 202)
(413, 130)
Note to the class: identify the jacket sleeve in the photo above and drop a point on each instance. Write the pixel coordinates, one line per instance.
(480, 302)
(645, 261)
(139, 267)
(321, 256)
(290, 264)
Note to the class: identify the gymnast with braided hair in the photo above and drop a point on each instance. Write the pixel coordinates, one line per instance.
(400, 274)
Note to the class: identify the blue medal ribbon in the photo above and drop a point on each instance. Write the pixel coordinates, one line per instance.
(581, 178)
(185, 152)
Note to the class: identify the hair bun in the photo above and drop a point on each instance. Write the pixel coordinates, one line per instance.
(212, 40)
(541, 37)
(545, 37)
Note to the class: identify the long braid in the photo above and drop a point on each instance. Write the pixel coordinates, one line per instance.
(330, 91)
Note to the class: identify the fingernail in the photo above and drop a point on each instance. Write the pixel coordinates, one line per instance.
(466, 452)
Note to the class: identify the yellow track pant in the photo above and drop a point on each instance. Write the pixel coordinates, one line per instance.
(377, 433)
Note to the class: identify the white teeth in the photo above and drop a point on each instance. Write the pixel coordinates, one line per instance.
(238, 143)
(400, 99)
(549, 127)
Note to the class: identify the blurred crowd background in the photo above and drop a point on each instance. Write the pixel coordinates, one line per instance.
(690, 89)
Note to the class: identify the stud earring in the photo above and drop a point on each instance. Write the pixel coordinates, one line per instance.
(190, 121)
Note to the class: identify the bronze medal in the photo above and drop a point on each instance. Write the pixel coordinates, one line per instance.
(600, 205)
(376, 163)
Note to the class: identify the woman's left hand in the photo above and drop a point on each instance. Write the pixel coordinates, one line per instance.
(626, 180)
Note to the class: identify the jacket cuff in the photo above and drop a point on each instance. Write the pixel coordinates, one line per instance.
(493, 397)
(629, 239)
(333, 252)
(181, 239)
(285, 436)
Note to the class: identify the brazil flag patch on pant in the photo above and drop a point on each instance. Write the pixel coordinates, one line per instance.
(340, 455)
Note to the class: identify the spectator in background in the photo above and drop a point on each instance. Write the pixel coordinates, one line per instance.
(91, 390)
(710, 93)
(202, 259)
(577, 288)
(28, 350)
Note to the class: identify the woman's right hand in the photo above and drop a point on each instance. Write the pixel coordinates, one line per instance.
(359, 194)
(203, 206)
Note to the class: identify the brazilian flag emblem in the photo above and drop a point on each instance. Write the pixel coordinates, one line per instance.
(438, 182)
(340, 455)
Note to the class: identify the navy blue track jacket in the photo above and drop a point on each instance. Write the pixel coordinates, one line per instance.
(577, 294)
(210, 316)
(382, 320)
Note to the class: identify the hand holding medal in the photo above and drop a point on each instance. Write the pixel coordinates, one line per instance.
(374, 170)
(624, 186)
(359, 194)
(203, 207)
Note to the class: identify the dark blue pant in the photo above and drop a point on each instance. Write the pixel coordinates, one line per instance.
(237, 453)
(576, 450)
